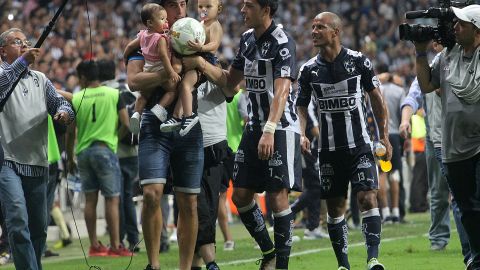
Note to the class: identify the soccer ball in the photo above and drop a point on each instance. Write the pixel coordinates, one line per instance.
(184, 30)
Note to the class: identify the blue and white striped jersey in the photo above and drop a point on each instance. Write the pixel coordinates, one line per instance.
(338, 89)
(262, 61)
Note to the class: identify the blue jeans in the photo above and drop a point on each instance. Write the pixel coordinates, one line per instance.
(439, 233)
(128, 216)
(464, 181)
(24, 204)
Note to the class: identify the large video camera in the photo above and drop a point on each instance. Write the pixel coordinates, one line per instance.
(443, 33)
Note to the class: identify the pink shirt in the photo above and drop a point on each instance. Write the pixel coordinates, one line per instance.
(149, 44)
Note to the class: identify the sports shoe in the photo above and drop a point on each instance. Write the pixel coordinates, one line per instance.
(99, 251)
(135, 123)
(228, 246)
(373, 264)
(62, 243)
(469, 265)
(437, 247)
(267, 262)
(4, 258)
(317, 233)
(149, 267)
(164, 247)
(121, 251)
(342, 268)
(188, 123)
(171, 124)
(49, 253)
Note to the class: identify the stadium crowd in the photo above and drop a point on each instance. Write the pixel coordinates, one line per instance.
(370, 26)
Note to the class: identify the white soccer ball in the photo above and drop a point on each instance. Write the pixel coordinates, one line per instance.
(184, 30)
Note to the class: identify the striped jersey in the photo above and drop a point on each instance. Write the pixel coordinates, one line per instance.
(339, 90)
(263, 60)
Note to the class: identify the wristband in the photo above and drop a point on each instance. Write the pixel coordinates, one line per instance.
(269, 127)
(421, 54)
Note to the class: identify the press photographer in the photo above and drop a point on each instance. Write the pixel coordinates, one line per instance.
(455, 72)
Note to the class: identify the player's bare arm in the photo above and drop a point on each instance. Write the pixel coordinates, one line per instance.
(381, 115)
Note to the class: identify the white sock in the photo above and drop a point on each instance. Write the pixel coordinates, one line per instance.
(385, 212)
(395, 212)
(159, 112)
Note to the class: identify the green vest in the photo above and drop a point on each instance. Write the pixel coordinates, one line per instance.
(97, 117)
(53, 150)
(234, 123)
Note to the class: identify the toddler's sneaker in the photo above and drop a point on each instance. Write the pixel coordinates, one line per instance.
(188, 123)
(171, 124)
(159, 112)
(135, 123)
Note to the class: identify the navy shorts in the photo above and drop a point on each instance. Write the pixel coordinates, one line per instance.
(157, 151)
(283, 170)
(339, 168)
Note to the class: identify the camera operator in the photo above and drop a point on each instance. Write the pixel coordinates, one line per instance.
(455, 73)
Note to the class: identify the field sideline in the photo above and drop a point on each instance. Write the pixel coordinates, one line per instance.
(404, 247)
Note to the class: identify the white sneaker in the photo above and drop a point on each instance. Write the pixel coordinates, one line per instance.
(318, 233)
(296, 238)
(228, 246)
(159, 112)
(173, 236)
(135, 123)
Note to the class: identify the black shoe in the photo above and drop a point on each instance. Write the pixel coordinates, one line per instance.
(164, 247)
(49, 253)
(267, 262)
(149, 267)
(133, 248)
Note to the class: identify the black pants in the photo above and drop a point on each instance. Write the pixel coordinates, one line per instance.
(419, 185)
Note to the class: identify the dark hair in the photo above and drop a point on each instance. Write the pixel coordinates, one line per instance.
(273, 4)
(163, 2)
(106, 70)
(88, 69)
(148, 10)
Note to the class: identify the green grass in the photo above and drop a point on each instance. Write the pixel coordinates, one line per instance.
(404, 247)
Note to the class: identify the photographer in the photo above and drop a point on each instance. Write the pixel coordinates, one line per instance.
(455, 73)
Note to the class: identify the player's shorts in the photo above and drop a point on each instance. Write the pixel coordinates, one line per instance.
(338, 168)
(283, 170)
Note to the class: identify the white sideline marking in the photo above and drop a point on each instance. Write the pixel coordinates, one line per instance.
(316, 250)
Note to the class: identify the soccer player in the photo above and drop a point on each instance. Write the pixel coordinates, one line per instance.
(338, 78)
(268, 158)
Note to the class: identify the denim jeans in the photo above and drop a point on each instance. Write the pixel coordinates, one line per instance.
(128, 216)
(439, 232)
(24, 203)
(464, 181)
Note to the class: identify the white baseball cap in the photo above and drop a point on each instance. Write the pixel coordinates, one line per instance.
(469, 13)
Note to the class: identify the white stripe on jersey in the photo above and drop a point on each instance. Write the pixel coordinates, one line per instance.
(290, 140)
(363, 121)
(349, 128)
(331, 135)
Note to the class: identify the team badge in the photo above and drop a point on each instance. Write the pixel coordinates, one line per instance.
(349, 66)
(25, 92)
(265, 47)
(364, 163)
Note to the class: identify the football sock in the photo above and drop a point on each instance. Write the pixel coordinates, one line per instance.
(338, 231)
(252, 218)
(371, 228)
(283, 228)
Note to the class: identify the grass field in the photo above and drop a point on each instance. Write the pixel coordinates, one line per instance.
(403, 247)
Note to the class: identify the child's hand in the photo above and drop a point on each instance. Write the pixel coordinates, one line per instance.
(175, 77)
(196, 46)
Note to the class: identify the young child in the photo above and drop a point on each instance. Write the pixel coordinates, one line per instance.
(154, 43)
(209, 10)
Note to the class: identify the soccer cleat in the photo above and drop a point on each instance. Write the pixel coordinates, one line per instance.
(373, 264)
(317, 233)
(49, 253)
(228, 246)
(171, 124)
(342, 268)
(149, 267)
(4, 258)
(121, 251)
(62, 243)
(99, 251)
(135, 123)
(188, 123)
(267, 262)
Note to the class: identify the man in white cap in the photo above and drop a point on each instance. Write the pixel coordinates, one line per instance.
(456, 73)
